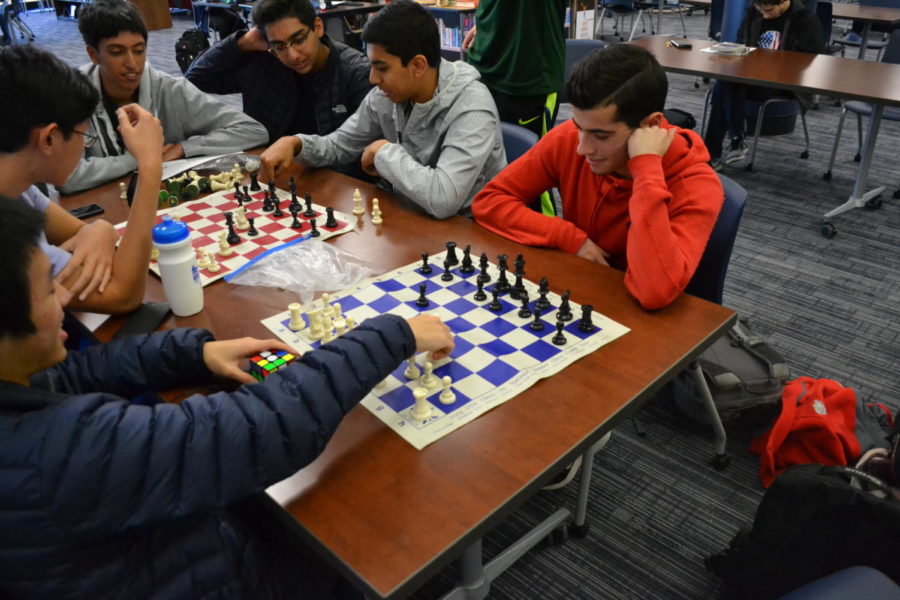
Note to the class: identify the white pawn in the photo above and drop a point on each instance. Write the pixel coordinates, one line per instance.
(212, 264)
(336, 311)
(297, 323)
(326, 306)
(329, 333)
(447, 396)
(422, 410)
(340, 326)
(351, 323)
(176, 216)
(376, 212)
(358, 208)
(429, 380)
(236, 171)
(224, 247)
(202, 258)
(412, 370)
(154, 253)
(241, 221)
(123, 192)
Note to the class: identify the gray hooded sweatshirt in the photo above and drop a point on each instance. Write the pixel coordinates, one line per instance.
(440, 154)
(200, 123)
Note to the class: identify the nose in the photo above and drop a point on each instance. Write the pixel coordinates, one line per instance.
(63, 295)
(584, 147)
(373, 77)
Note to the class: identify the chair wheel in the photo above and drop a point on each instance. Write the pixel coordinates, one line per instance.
(579, 531)
(873, 203)
(696, 85)
(897, 194)
(804, 154)
(749, 167)
(828, 230)
(857, 157)
(826, 176)
(720, 462)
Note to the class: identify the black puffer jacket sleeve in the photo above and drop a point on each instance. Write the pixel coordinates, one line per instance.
(108, 466)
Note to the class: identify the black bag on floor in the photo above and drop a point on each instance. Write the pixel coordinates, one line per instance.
(189, 46)
(811, 522)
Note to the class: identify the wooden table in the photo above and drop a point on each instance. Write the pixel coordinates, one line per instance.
(867, 15)
(874, 82)
(389, 517)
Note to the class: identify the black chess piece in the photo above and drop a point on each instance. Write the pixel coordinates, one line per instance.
(502, 284)
(295, 224)
(276, 203)
(479, 294)
(585, 325)
(309, 213)
(520, 265)
(271, 184)
(467, 266)
(451, 254)
(254, 182)
(422, 300)
(501, 262)
(483, 265)
(560, 338)
(330, 221)
(233, 238)
(292, 185)
(238, 195)
(518, 288)
(314, 232)
(425, 269)
(495, 304)
(524, 312)
(229, 217)
(247, 196)
(543, 289)
(447, 275)
(252, 231)
(267, 203)
(565, 311)
(537, 324)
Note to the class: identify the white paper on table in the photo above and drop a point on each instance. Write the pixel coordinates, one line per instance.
(171, 168)
(90, 320)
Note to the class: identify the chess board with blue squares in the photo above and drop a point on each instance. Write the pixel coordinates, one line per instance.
(498, 354)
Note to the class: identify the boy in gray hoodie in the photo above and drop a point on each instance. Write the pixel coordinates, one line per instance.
(430, 129)
(194, 123)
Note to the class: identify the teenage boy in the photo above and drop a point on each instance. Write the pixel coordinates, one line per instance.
(430, 130)
(100, 498)
(771, 24)
(41, 140)
(642, 198)
(292, 77)
(194, 123)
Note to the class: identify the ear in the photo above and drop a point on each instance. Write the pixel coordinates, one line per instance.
(44, 140)
(654, 119)
(319, 27)
(418, 64)
(92, 54)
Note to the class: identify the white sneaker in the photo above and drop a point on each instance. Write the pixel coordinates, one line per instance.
(736, 152)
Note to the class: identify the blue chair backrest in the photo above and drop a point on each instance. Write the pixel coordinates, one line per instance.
(892, 50)
(732, 17)
(824, 10)
(575, 51)
(517, 140)
(709, 278)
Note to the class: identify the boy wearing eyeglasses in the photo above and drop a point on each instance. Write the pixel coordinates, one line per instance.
(292, 77)
(194, 123)
(42, 139)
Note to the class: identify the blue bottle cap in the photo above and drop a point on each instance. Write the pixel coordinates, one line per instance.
(170, 231)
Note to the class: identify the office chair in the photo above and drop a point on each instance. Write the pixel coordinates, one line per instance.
(852, 582)
(619, 9)
(516, 140)
(16, 25)
(575, 51)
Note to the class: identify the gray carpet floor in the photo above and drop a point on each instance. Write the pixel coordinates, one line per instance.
(832, 308)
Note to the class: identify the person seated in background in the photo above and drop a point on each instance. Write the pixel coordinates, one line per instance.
(41, 141)
(100, 498)
(642, 199)
(194, 124)
(292, 77)
(430, 131)
(771, 24)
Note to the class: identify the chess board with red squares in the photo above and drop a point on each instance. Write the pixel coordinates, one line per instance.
(206, 219)
(498, 355)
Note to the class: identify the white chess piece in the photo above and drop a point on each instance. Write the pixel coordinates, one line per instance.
(376, 213)
(336, 311)
(358, 208)
(412, 370)
(236, 171)
(315, 324)
(176, 216)
(241, 221)
(202, 258)
(329, 333)
(351, 323)
(447, 396)
(326, 306)
(224, 247)
(154, 253)
(428, 379)
(212, 265)
(123, 192)
(297, 323)
(422, 410)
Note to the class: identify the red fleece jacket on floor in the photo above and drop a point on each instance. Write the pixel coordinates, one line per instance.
(654, 226)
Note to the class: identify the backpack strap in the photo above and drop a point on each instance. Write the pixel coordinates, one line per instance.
(754, 344)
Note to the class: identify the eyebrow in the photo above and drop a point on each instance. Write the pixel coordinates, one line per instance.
(123, 46)
(294, 35)
(604, 131)
(379, 63)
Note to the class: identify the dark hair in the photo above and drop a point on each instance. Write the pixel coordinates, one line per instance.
(624, 75)
(270, 11)
(765, 3)
(20, 227)
(39, 89)
(107, 19)
(405, 29)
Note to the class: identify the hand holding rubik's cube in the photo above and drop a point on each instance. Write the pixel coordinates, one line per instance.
(265, 363)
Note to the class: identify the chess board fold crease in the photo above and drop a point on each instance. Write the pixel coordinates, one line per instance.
(498, 354)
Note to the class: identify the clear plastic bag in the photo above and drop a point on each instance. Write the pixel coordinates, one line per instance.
(306, 267)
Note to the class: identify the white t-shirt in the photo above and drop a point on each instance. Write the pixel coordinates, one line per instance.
(59, 258)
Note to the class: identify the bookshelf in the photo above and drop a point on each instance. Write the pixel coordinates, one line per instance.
(453, 24)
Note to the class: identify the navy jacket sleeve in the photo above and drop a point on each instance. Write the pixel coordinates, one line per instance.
(108, 466)
(218, 70)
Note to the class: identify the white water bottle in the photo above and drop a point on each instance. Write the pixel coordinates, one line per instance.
(178, 267)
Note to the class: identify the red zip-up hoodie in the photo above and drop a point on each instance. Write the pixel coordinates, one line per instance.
(655, 225)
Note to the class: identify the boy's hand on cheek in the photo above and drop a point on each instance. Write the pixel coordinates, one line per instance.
(650, 140)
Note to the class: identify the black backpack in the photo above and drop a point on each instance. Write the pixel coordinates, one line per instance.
(189, 46)
(811, 523)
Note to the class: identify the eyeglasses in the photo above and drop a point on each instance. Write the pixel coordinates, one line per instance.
(89, 138)
(298, 39)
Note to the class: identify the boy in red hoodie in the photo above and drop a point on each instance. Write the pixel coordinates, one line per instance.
(643, 198)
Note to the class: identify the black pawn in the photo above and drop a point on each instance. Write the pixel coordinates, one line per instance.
(544, 289)
(233, 238)
(585, 325)
(422, 300)
(277, 204)
(565, 311)
(425, 269)
(295, 224)
(314, 232)
(467, 266)
(271, 187)
(501, 262)
(294, 199)
(480, 296)
(495, 303)
(446, 275)
(267, 204)
(309, 213)
(292, 185)
(537, 324)
(502, 284)
(520, 265)
(524, 312)
(252, 231)
(330, 221)
(237, 192)
(451, 254)
(483, 265)
(247, 196)
(560, 338)
(254, 182)
(518, 289)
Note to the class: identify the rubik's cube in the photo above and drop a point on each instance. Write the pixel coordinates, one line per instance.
(265, 363)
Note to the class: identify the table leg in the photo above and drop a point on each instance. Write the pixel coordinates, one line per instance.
(662, 5)
(859, 197)
(864, 42)
(579, 527)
